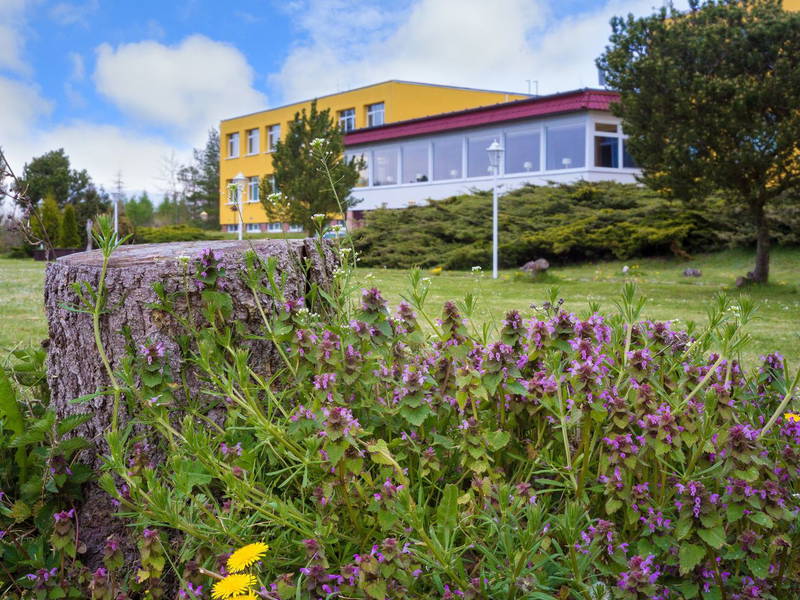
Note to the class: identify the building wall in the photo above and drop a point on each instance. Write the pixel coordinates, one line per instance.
(405, 194)
(402, 101)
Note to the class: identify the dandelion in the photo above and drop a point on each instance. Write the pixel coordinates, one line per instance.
(792, 417)
(238, 584)
(246, 556)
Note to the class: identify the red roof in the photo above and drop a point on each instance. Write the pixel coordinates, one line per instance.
(487, 115)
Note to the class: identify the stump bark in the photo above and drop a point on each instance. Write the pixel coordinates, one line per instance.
(74, 367)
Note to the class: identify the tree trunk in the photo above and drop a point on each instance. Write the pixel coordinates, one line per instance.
(761, 272)
(74, 367)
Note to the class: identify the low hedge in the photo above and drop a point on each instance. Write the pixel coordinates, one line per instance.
(572, 222)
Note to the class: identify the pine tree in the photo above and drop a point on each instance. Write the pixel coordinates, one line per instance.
(69, 237)
(46, 227)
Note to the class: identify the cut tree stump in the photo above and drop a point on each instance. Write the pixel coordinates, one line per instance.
(74, 367)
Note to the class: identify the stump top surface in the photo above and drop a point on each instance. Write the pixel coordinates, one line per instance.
(142, 254)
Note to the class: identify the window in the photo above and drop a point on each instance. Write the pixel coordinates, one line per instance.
(274, 227)
(347, 119)
(628, 161)
(232, 228)
(252, 141)
(233, 145)
(606, 151)
(294, 228)
(253, 228)
(523, 152)
(363, 173)
(566, 147)
(447, 159)
(375, 114)
(384, 166)
(415, 163)
(273, 135)
(477, 156)
(253, 190)
(233, 192)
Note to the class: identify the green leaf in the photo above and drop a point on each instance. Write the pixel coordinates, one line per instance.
(682, 528)
(218, 301)
(612, 505)
(759, 566)
(188, 474)
(71, 422)
(735, 512)
(762, 519)
(690, 556)
(688, 589)
(714, 537)
(447, 511)
(9, 409)
(497, 439)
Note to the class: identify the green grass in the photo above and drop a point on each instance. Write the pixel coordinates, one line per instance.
(669, 294)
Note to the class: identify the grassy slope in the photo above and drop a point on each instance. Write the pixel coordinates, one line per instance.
(670, 295)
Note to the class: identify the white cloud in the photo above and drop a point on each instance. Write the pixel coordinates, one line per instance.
(23, 106)
(74, 13)
(186, 88)
(12, 35)
(498, 44)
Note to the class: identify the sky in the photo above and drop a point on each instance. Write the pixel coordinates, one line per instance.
(126, 86)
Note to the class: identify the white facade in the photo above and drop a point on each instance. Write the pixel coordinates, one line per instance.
(402, 172)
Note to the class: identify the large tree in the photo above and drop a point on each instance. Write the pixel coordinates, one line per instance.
(710, 98)
(140, 210)
(310, 169)
(200, 182)
(50, 175)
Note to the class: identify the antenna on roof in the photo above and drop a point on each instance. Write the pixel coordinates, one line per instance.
(535, 81)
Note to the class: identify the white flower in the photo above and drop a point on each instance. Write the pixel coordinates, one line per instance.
(476, 269)
(274, 198)
(318, 143)
(625, 269)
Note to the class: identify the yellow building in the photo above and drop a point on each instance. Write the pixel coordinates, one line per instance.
(247, 141)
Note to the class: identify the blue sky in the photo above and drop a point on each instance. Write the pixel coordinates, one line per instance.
(123, 85)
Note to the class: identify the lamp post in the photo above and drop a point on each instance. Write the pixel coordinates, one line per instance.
(495, 151)
(239, 182)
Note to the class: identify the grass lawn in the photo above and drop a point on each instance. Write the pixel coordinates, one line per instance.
(669, 294)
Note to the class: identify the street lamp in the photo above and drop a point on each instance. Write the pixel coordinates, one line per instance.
(204, 216)
(495, 151)
(239, 182)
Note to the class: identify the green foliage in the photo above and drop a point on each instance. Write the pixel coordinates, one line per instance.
(47, 227)
(309, 164)
(709, 99)
(51, 175)
(575, 222)
(170, 233)
(41, 482)
(140, 211)
(68, 236)
(200, 181)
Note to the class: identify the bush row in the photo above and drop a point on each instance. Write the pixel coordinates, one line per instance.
(572, 222)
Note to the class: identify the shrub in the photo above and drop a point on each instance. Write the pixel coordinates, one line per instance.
(68, 236)
(171, 233)
(575, 222)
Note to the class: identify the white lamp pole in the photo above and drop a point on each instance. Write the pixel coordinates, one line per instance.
(495, 151)
(239, 182)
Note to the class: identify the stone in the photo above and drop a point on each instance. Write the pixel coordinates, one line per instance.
(690, 272)
(536, 266)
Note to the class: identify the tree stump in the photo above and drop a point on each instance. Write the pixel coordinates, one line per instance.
(74, 367)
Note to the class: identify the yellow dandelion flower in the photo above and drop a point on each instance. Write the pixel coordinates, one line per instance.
(791, 417)
(246, 556)
(248, 596)
(233, 585)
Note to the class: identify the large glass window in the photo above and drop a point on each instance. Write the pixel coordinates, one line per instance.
(415, 163)
(233, 145)
(477, 156)
(384, 166)
(233, 228)
(523, 152)
(566, 147)
(447, 159)
(375, 114)
(252, 141)
(347, 119)
(274, 227)
(273, 135)
(363, 172)
(253, 190)
(253, 228)
(627, 159)
(606, 151)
